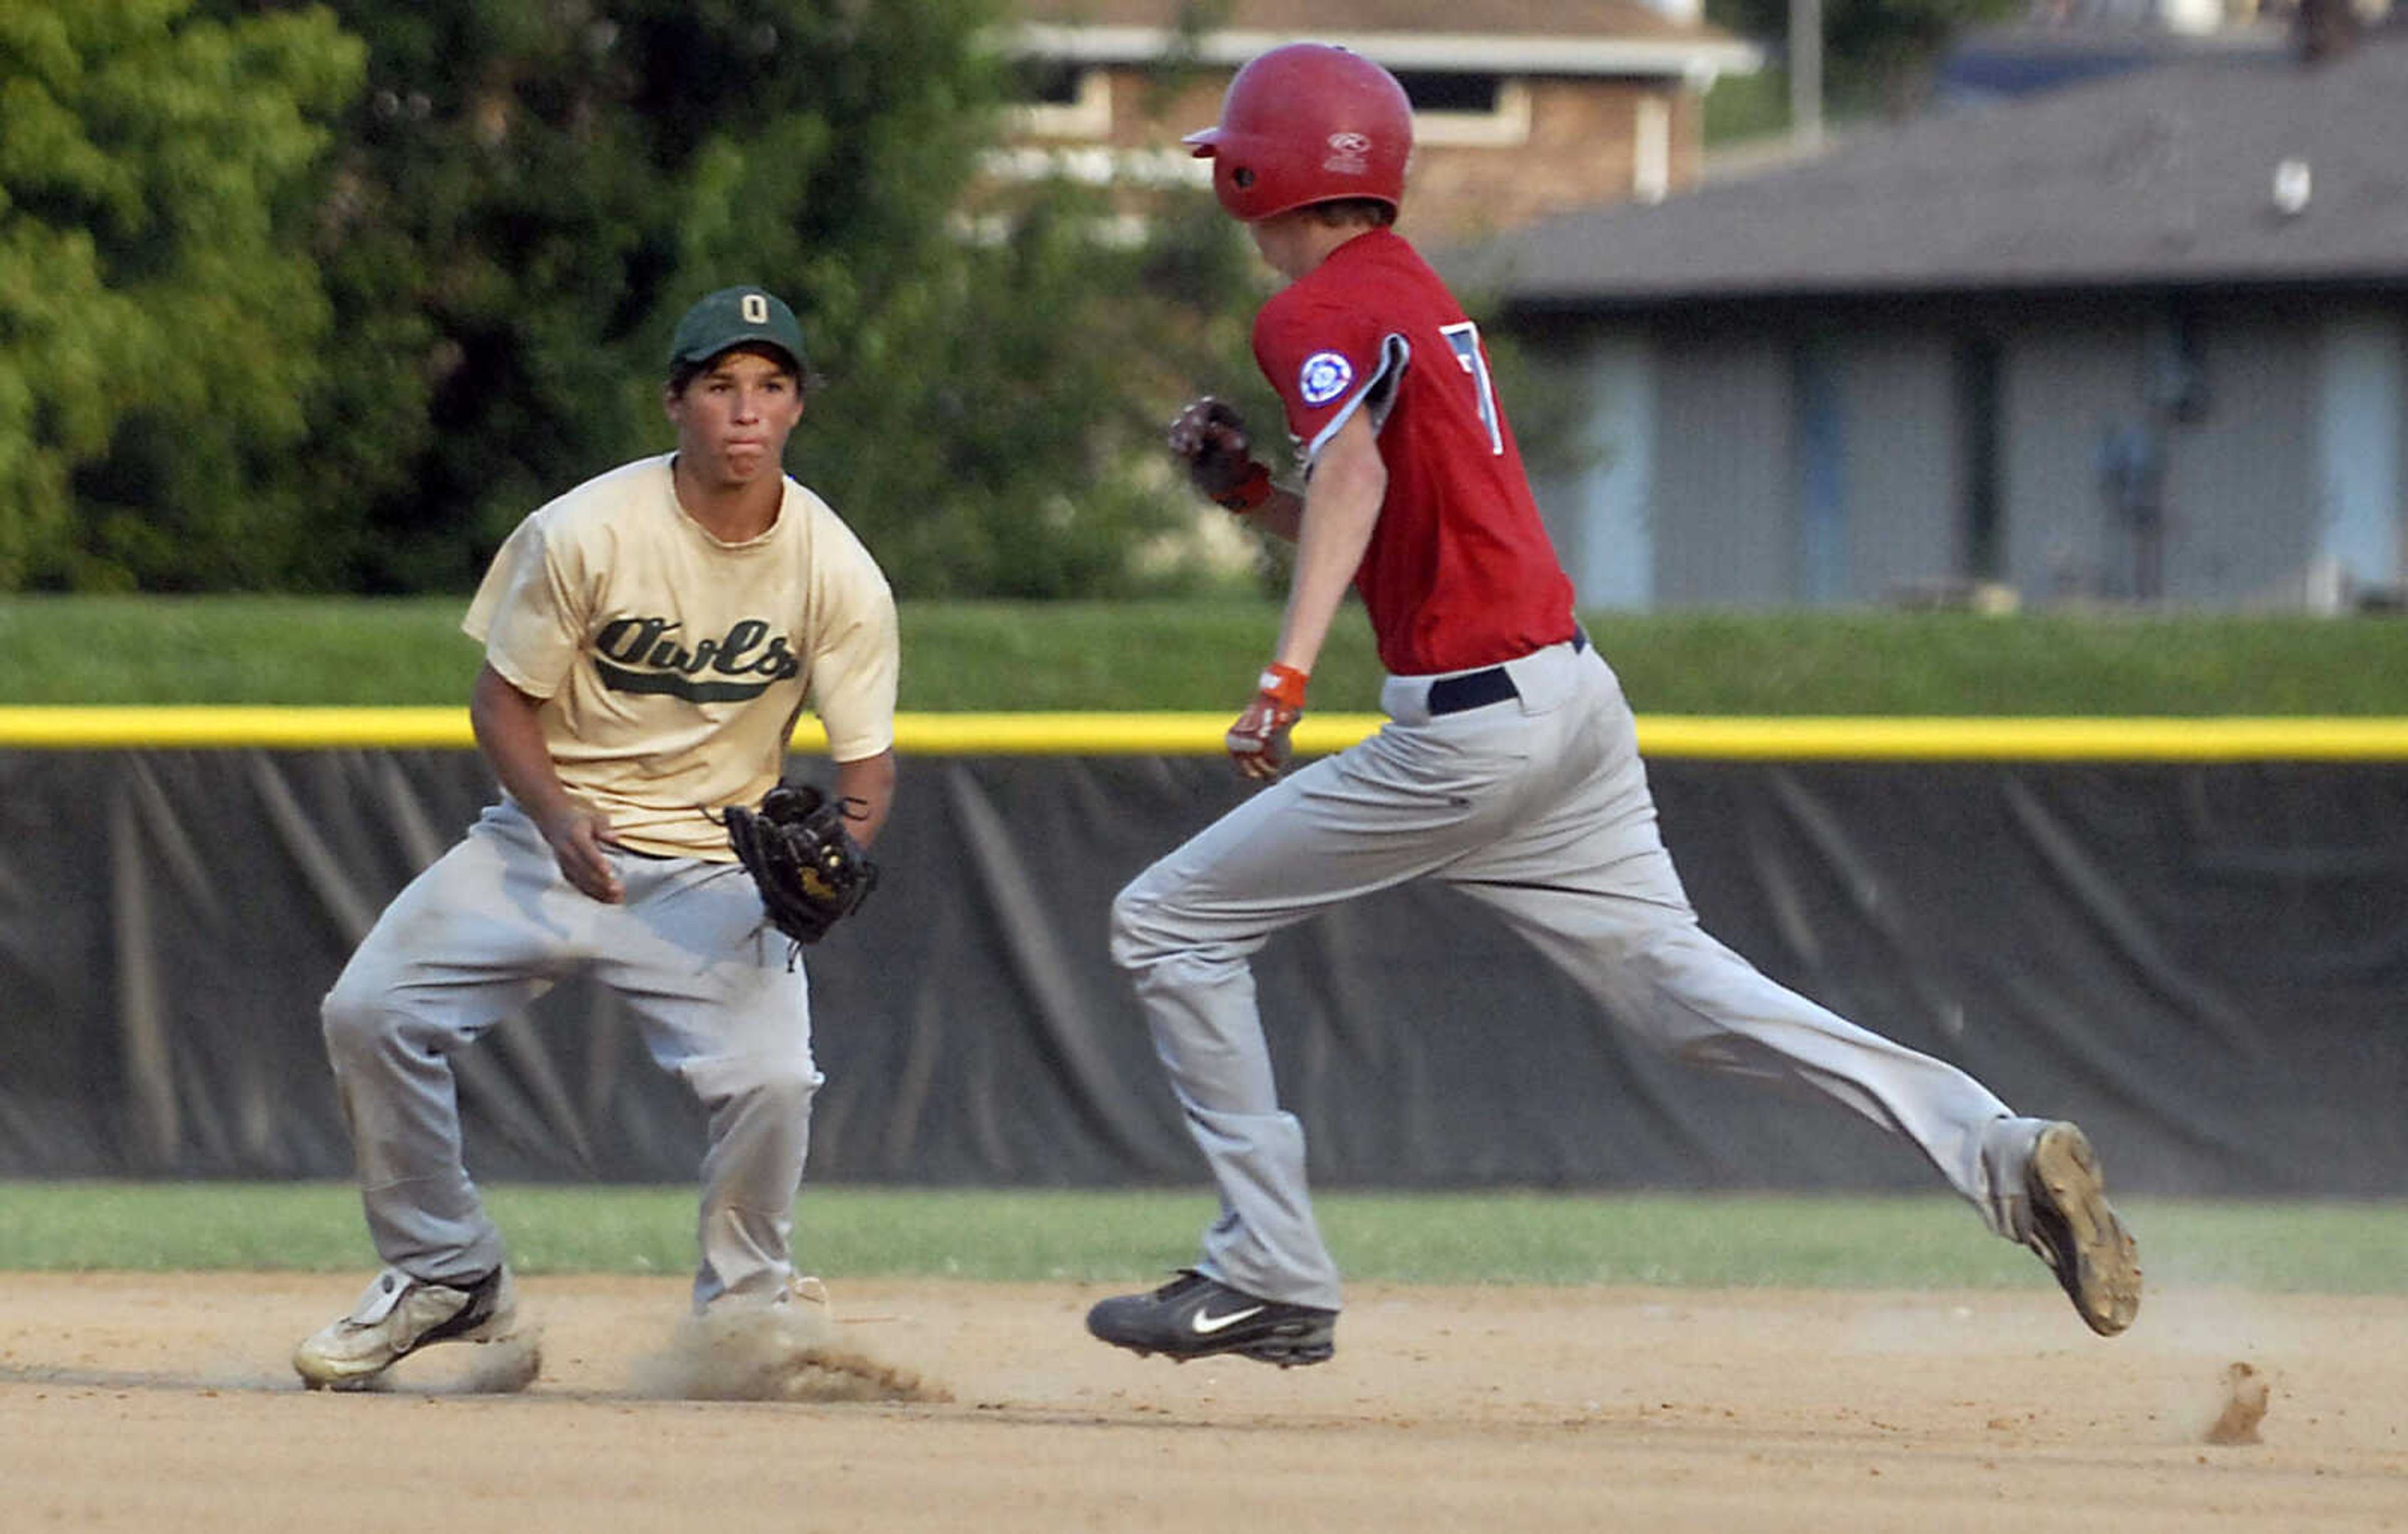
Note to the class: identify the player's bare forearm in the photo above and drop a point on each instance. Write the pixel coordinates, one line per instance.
(504, 720)
(1350, 481)
(867, 790)
(1281, 516)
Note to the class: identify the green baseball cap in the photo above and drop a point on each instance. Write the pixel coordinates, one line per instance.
(732, 317)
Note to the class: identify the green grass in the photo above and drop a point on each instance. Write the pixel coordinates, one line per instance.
(978, 656)
(232, 649)
(1031, 1236)
(1747, 108)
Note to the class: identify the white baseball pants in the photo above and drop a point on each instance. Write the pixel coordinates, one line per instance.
(490, 926)
(1538, 807)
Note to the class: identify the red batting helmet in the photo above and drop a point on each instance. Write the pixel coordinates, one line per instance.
(1308, 123)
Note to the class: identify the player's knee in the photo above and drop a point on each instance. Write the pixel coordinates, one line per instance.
(1140, 936)
(786, 1085)
(356, 1022)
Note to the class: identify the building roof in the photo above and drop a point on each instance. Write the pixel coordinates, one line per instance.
(1521, 36)
(2201, 173)
(2018, 58)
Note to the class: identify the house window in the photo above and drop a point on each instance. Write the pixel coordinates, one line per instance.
(1466, 106)
(1431, 92)
(1819, 427)
(1053, 98)
(1977, 369)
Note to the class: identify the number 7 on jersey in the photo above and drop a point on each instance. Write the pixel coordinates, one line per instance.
(1465, 339)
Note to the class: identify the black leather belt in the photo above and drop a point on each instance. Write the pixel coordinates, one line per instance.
(1479, 689)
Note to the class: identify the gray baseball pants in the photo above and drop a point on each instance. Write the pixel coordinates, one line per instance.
(1538, 807)
(490, 926)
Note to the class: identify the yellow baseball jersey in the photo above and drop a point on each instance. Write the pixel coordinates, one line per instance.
(671, 665)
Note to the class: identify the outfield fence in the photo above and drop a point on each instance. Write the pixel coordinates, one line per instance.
(2186, 933)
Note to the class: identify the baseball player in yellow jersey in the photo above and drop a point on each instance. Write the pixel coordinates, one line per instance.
(651, 637)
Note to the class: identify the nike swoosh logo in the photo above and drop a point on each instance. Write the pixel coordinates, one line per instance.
(1207, 1325)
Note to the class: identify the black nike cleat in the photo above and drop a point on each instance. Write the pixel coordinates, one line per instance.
(2076, 1232)
(1194, 1316)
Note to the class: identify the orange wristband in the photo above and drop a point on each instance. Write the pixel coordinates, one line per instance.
(1284, 685)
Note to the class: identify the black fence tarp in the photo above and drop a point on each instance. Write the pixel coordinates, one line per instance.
(2204, 963)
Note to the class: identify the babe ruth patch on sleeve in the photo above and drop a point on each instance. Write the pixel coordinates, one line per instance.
(1323, 376)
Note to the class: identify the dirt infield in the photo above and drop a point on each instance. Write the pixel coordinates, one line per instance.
(143, 1405)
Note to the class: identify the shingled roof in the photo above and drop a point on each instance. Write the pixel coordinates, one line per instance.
(2175, 176)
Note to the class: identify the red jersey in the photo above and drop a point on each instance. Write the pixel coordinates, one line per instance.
(1459, 572)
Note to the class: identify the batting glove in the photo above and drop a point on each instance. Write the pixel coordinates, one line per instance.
(1258, 741)
(1210, 436)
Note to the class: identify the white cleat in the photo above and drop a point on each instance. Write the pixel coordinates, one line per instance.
(398, 1316)
(808, 1290)
(2075, 1231)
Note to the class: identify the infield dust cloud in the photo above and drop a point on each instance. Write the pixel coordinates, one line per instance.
(787, 1352)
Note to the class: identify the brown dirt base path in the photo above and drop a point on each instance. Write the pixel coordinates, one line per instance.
(144, 1405)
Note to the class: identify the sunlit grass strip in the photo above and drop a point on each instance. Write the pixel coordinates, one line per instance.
(1181, 734)
(1494, 1236)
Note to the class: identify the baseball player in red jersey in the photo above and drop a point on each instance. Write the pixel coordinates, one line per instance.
(1509, 766)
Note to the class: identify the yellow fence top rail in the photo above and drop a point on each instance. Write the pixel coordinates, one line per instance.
(1767, 739)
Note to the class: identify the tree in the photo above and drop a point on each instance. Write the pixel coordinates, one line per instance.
(530, 196)
(159, 332)
(1877, 53)
(287, 305)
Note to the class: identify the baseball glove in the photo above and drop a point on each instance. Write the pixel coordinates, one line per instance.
(810, 871)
